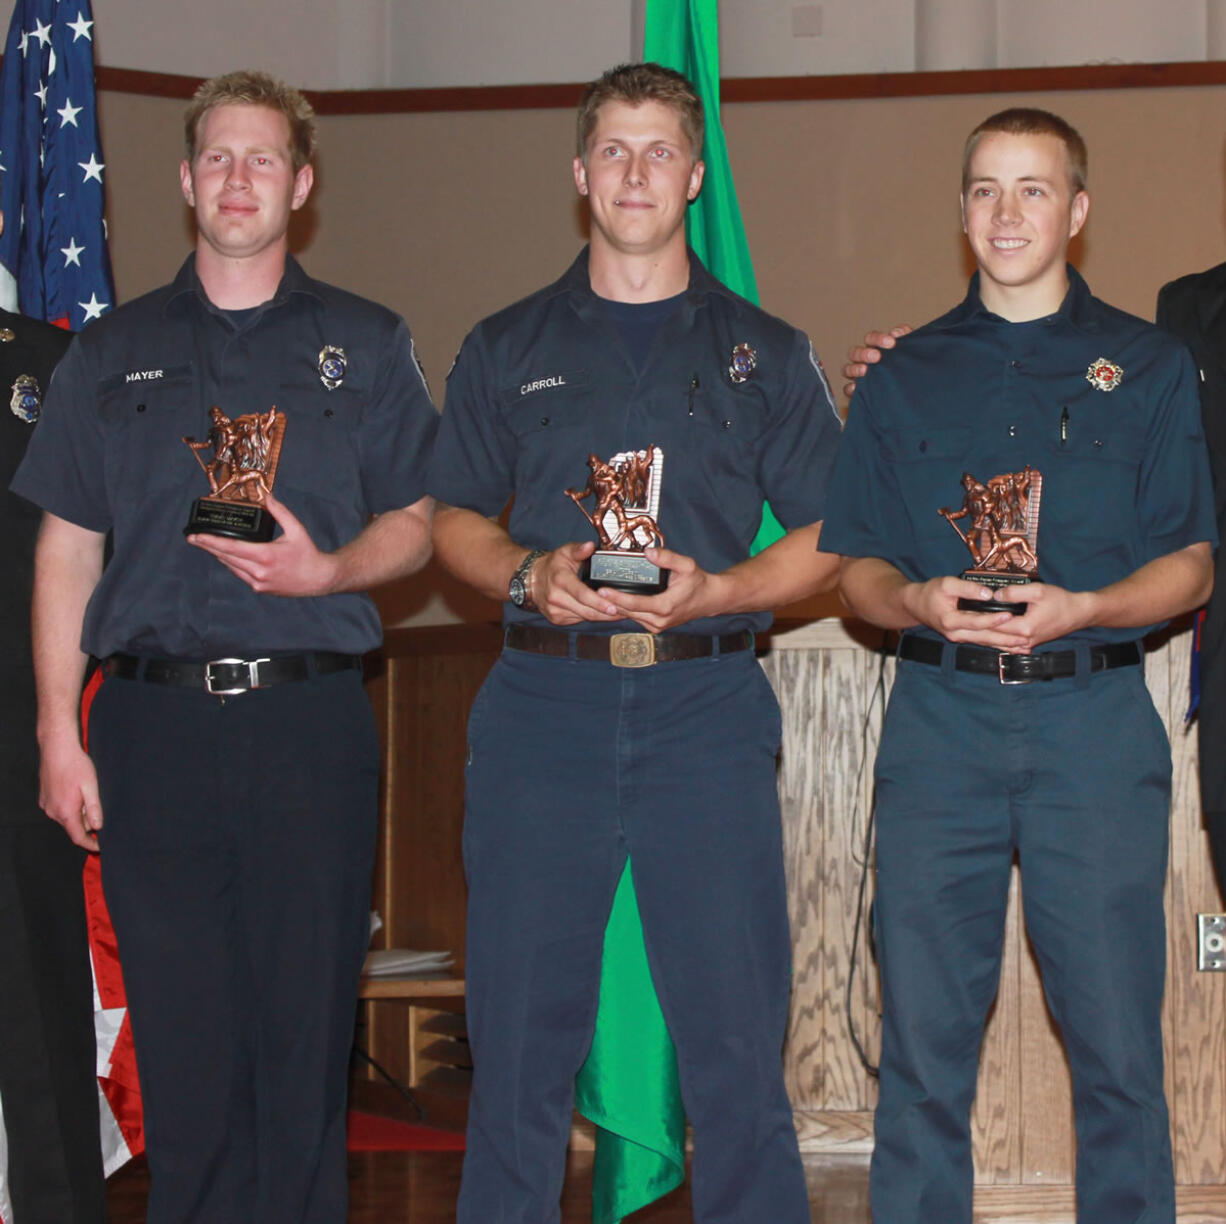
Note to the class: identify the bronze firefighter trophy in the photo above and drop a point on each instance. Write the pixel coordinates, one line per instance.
(242, 464)
(627, 502)
(1002, 534)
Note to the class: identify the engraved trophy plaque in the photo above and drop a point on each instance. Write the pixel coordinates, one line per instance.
(241, 466)
(626, 493)
(1001, 534)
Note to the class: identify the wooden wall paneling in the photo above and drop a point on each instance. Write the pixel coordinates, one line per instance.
(797, 673)
(432, 676)
(383, 1032)
(996, 1116)
(838, 749)
(880, 666)
(1195, 1002)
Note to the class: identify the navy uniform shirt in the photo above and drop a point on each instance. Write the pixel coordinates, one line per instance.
(28, 353)
(1125, 474)
(109, 455)
(545, 382)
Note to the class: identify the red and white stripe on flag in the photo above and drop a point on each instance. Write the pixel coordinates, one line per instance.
(119, 1105)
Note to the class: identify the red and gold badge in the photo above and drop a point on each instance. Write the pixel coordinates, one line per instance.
(1105, 375)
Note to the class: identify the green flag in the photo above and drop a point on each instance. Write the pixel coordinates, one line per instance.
(628, 1085)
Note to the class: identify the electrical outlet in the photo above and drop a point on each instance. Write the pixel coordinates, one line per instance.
(1211, 944)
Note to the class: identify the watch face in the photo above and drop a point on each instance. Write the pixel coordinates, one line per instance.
(517, 591)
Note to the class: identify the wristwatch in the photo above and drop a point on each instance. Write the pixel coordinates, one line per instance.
(517, 591)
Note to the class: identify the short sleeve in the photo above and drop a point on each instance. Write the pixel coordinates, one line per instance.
(797, 453)
(861, 487)
(1174, 489)
(398, 428)
(473, 464)
(64, 469)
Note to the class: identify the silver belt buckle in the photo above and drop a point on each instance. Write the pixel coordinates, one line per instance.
(253, 676)
(632, 649)
(1000, 669)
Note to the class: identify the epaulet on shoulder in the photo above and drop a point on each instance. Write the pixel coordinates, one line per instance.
(779, 330)
(355, 303)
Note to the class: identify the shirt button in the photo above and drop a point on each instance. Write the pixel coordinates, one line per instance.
(1015, 365)
(140, 407)
(727, 424)
(1013, 431)
(544, 420)
(328, 412)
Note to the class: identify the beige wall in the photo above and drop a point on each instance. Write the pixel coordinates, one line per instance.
(850, 206)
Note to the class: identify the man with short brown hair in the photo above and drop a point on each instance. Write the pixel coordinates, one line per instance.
(231, 779)
(1019, 722)
(618, 724)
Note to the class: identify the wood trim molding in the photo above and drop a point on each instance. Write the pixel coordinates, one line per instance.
(734, 89)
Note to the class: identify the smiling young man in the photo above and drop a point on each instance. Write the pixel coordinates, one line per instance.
(592, 740)
(232, 767)
(1029, 734)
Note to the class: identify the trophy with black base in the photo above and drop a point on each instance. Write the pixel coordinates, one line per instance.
(1002, 534)
(626, 490)
(241, 467)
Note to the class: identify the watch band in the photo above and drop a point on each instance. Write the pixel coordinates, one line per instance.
(517, 589)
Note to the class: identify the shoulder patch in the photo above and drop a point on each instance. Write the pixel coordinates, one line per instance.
(421, 369)
(820, 370)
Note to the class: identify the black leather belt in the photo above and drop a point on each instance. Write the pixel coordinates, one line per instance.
(226, 677)
(1019, 668)
(624, 649)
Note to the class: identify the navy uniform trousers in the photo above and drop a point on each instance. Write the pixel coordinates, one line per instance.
(237, 854)
(572, 766)
(1074, 775)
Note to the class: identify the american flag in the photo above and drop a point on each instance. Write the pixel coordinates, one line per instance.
(54, 262)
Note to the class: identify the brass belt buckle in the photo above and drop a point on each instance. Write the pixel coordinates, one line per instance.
(632, 649)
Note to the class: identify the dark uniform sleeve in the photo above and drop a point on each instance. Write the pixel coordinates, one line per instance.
(397, 431)
(856, 523)
(1174, 490)
(64, 470)
(797, 452)
(473, 464)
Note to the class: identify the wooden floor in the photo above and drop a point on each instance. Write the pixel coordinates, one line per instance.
(420, 1188)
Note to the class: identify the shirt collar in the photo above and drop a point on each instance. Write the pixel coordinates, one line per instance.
(186, 285)
(576, 280)
(1076, 310)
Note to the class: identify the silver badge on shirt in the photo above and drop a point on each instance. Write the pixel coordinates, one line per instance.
(744, 362)
(26, 401)
(332, 366)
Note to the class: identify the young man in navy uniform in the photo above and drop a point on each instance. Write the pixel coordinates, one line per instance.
(48, 1086)
(232, 769)
(1031, 734)
(618, 724)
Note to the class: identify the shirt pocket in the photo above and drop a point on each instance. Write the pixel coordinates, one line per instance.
(724, 418)
(539, 408)
(928, 465)
(144, 421)
(1090, 483)
(321, 447)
